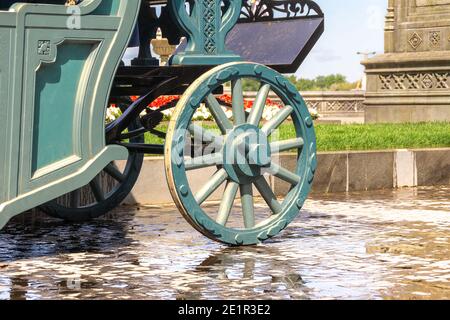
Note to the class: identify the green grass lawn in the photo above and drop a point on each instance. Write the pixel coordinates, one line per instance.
(368, 136)
(382, 136)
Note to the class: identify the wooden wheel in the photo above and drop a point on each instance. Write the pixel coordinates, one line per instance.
(242, 153)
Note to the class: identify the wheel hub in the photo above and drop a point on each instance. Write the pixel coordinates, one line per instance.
(246, 152)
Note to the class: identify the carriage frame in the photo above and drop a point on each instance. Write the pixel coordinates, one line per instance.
(57, 81)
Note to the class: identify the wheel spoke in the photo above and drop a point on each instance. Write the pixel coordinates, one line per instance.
(75, 199)
(205, 161)
(202, 133)
(213, 184)
(247, 205)
(206, 136)
(284, 174)
(278, 119)
(114, 172)
(238, 102)
(97, 189)
(219, 115)
(227, 202)
(259, 105)
(268, 195)
(280, 146)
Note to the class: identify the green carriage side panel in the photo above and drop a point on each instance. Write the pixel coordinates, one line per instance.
(6, 60)
(108, 8)
(57, 87)
(52, 110)
(206, 27)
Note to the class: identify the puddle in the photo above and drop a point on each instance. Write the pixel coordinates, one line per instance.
(369, 245)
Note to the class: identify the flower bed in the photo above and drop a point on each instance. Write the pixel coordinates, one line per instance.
(203, 114)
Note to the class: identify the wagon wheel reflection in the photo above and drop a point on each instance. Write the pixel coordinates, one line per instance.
(262, 270)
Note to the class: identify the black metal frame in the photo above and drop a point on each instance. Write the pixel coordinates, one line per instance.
(267, 10)
(150, 82)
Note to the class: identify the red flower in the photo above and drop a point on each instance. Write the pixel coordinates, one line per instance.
(225, 98)
(163, 101)
(158, 102)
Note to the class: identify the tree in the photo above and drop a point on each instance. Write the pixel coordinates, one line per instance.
(250, 85)
(331, 82)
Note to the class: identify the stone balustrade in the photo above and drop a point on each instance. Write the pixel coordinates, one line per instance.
(330, 102)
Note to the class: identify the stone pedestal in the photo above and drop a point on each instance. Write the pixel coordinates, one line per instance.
(411, 81)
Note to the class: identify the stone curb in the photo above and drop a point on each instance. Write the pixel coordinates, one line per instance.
(337, 172)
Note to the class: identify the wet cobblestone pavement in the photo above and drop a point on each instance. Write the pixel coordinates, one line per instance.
(373, 245)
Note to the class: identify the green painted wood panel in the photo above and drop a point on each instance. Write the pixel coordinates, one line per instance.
(57, 87)
(110, 7)
(5, 66)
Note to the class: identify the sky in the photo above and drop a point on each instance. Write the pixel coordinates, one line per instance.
(351, 26)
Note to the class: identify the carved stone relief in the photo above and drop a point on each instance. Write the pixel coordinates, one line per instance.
(414, 81)
(415, 40)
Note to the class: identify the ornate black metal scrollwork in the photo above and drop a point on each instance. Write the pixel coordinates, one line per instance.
(270, 10)
(252, 11)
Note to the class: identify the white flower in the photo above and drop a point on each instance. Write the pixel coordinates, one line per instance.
(270, 111)
(314, 113)
(168, 113)
(229, 113)
(202, 113)
(112, 113)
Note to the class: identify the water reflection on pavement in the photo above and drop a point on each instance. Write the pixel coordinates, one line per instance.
(375, 245)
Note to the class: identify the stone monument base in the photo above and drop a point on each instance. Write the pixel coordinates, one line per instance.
(408, 87)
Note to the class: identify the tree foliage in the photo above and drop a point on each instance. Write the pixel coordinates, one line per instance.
(333, 82)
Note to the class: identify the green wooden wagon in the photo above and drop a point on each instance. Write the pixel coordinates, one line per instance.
(61, 68)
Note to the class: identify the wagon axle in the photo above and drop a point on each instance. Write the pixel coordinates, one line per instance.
(246, 151)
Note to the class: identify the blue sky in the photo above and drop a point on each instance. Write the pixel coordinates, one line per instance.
(351, 26)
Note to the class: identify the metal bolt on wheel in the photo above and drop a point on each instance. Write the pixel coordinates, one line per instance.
(244, 152)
